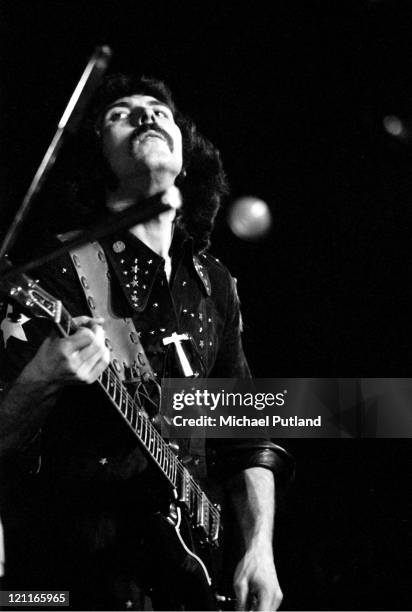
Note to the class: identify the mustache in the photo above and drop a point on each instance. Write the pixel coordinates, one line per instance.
(139, 131)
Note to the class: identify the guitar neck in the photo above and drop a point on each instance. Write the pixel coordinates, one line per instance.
(205, 515)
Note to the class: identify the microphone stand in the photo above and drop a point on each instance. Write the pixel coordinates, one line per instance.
(148, 209)
(69, 122)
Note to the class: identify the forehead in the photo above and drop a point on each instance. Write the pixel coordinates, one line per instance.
(136, 101)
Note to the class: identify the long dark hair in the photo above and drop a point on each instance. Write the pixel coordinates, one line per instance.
(203, 182)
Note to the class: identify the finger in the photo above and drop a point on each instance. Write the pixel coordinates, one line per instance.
(268, 600)
(99, 367)
(277, 600)
(93, 353)
(241, 590)
(262, 601)
(91, 370)
(81, 339)
(84, 321)
(83, 372)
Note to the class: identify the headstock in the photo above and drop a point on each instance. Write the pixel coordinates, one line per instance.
(27, 293)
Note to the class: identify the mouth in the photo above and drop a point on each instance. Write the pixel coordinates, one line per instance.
(153, 134)
(147, 135)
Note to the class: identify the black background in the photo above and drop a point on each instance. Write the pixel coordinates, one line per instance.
(294, 96)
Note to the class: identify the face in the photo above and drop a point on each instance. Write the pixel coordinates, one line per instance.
(139, 134)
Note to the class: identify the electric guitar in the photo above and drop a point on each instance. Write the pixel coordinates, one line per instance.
(191, 526)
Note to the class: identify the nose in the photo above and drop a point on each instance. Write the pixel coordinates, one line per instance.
(141, 116)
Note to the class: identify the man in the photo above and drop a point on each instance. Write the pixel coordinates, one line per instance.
(82, 509)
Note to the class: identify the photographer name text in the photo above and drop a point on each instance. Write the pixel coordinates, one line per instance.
(244, 421)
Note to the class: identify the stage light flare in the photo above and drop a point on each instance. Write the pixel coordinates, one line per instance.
(394, 126)
(249, 218)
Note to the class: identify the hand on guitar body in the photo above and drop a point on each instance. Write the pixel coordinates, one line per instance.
(79, 358)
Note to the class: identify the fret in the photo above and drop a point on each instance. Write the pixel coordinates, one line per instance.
(134, 419)
(139, 426)
(118, 394)
(155, 448)
(112, 389)
(164, 462)
(184, 494)
(170, 466)
(151, 441)
(146, 433)
(104, 379)
(198, 502)
(124, 402)
(129, 410)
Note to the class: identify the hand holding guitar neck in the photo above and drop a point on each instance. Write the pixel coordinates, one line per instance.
(78, 358)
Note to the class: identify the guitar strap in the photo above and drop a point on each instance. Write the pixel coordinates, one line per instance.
(128, 357)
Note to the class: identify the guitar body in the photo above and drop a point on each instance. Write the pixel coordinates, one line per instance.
(178, 575)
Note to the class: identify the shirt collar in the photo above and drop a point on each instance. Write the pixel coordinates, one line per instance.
(136, 266)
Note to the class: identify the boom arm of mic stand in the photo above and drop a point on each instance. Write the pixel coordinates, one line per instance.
(151, 209)
(71, 117)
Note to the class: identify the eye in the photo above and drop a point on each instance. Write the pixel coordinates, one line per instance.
(116, 114)
(161, 112)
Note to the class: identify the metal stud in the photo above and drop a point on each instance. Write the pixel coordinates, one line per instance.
(118, 246)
